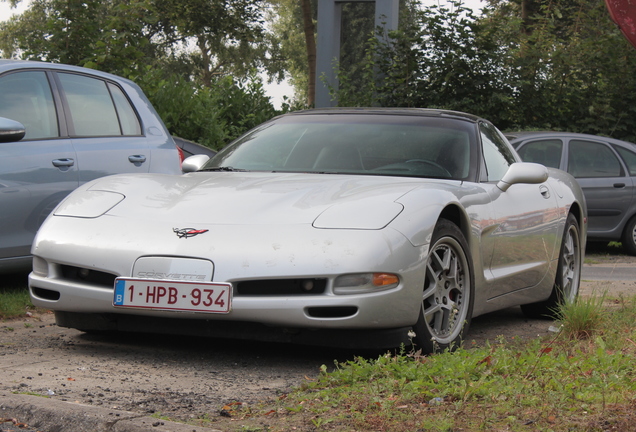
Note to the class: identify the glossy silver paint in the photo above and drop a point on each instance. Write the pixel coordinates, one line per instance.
(272, 225)
(303, 241)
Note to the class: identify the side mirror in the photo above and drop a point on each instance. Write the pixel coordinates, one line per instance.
(523, 172)
(194, 163)
(11, 130)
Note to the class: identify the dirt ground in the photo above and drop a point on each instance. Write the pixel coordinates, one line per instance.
(192, 378)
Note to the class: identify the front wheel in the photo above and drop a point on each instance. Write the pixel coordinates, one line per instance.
(447, 297)
(568, 277)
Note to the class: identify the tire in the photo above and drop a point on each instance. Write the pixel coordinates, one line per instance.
(568, 277)
(448, 291)
(629, 236)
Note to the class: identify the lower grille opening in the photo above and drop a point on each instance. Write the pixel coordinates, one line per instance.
(45, 294)
(92, 277)
(281, 287)
(332, 312)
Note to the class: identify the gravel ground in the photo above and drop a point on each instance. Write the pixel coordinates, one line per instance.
(193, 378)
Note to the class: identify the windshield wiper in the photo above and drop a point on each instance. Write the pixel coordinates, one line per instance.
(224, 168)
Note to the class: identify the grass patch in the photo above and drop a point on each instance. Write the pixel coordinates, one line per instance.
(14, 296)
(583, 378)
(14, 303)
(583, 318)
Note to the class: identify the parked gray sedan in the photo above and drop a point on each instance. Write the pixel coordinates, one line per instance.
(60, 127)
(605, 169)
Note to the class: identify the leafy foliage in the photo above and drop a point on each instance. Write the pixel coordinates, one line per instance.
(208, 93)
(567, 68)
(211, 116)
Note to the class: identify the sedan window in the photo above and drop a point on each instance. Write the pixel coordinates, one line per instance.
(93, 108)
(545, 152)
(26, 97)
(127, 117)
(590, 159)
(629, 157)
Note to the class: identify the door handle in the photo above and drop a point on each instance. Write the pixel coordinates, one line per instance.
(66, 162)
(137, 159)
(619, 185)
(545, 192)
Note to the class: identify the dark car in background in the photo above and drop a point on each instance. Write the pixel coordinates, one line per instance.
(604, 167)
(190, 148)
(62, 126)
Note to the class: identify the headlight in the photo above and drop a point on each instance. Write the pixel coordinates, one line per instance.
(364, 283)
(88, 204)
(369, 214)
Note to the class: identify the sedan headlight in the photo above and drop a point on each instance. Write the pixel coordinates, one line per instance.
(364, 283)
(88, 204)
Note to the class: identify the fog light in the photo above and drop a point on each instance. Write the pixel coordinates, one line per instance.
(307, 285)
(364, 282)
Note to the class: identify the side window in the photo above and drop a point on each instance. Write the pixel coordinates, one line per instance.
(497, 154)
(629, 157)
(26, 97)
(127, 117)
(545, 152)
(94, 111)
(591, 159)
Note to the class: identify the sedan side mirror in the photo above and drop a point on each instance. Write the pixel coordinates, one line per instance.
(523, 172)
(194, 163)
(11, 130)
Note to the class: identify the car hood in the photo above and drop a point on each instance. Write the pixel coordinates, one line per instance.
(235, 198)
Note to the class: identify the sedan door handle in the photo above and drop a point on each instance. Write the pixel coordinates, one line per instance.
(619, 185)
(137, 159)
(67, 162)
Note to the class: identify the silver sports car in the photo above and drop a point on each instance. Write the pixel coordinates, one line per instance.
(362, 227)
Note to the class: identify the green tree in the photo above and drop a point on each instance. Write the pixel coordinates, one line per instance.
(440, 58)
(221, 37)
(293, 32)
(210, 115)
(195, 59)
(566, 66)
(572, 68)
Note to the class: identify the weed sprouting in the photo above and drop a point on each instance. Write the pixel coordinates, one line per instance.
(583, 318)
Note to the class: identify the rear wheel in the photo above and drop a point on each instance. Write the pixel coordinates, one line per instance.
(568, 277)
(629, 236)
(447, 297)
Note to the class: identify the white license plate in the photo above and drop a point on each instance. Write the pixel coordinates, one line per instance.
(207, 297)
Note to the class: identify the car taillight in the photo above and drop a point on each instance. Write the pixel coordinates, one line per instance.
(181, 155)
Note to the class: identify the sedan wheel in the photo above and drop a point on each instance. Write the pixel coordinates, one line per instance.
(629, 236)
(568, 277)
(447, 299)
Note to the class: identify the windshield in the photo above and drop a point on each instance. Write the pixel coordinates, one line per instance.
(415, 146)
